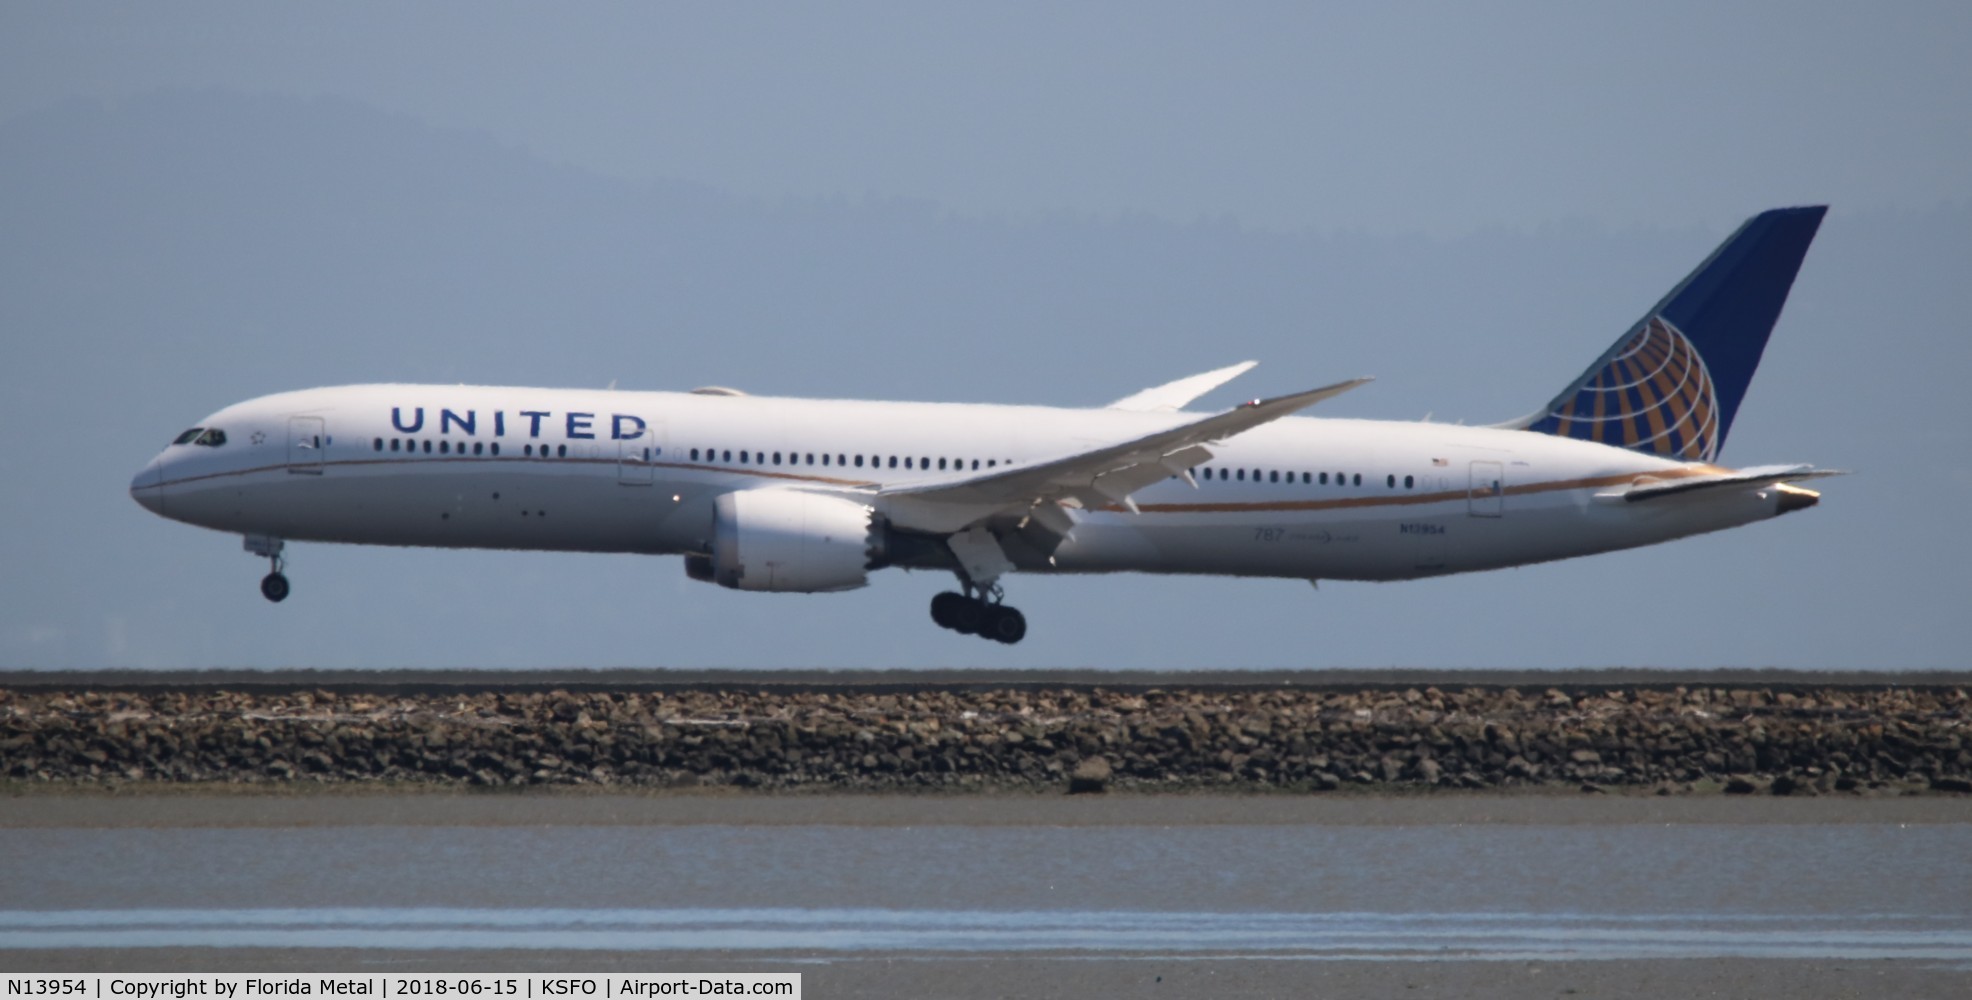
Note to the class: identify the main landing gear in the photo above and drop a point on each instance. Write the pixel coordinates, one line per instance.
(979, 612)
(273, 586)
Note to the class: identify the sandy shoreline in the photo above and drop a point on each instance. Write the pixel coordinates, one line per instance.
(339, 808)
(367, 817)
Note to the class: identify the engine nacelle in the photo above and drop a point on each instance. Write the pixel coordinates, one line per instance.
(789, 541)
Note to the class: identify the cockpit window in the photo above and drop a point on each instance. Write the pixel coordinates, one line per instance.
(212, 438)
(186, 438)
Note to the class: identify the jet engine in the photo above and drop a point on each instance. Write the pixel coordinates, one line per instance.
(789, 541)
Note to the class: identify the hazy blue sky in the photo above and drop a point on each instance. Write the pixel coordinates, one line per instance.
(1388, 117)
(200, 203)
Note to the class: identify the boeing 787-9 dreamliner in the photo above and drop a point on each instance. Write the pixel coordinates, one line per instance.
(809, 495)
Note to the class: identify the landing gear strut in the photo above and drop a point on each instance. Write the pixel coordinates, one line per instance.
(273, 586)
(979, 612)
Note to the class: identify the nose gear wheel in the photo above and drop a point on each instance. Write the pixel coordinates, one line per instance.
(273, 586)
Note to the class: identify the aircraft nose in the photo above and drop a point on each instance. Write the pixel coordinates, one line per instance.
(148, 487)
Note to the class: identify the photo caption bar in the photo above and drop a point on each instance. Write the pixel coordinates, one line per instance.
(404, 986)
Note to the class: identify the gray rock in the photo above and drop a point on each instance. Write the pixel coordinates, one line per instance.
(1091, 776)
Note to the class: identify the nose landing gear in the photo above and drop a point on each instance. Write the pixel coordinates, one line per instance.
(273, 586)
(979, 612)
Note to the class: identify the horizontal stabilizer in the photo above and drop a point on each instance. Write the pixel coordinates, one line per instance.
(1647, 488)
(1174, 396)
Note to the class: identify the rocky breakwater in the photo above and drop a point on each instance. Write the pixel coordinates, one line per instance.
(1791, 741)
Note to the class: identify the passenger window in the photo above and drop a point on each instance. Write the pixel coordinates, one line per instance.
(1306, 478)
(480, 449)
(427, 447)
(393, 444)
(1391, 481)
(811, 458)
(991, 462)
(444, 447)
(694, 454)
(1273, 477)
(777, 458)
(859, 461)
(1324, 479)
(728, 456)
(1242, 475)
(496, 447)
(1359, 479)
(893, 461)
(825, 458)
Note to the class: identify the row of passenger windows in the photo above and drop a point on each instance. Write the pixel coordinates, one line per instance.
(856, 461)
(441, 447)
(1307, 478)
(477, 448)
(1209, 473)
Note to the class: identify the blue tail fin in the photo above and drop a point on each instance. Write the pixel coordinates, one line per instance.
(1673, 383)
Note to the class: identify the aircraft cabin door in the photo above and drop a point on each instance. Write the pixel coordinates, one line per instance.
(1486, 497)
(637, 457)
(307, 441)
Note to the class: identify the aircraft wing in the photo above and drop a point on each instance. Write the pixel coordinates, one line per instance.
(1173, 396)
(1765, 475)
(1098, 476)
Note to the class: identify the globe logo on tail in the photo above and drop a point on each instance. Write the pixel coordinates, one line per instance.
(1653, 395)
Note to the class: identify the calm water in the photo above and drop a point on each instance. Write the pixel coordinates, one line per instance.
(1296, 891)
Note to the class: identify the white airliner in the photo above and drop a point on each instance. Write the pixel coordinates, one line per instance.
(803, 495)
